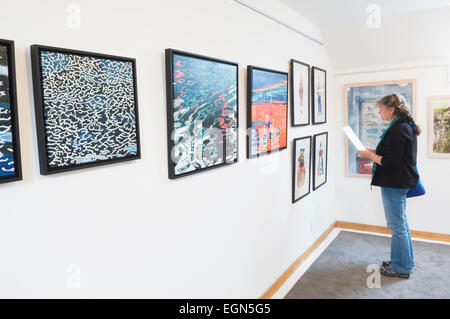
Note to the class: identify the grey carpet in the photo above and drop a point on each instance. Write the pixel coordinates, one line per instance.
(340, 271)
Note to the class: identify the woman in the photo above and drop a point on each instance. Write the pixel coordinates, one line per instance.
(396, 173)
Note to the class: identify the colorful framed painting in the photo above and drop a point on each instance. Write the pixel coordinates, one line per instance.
(301, 169)
(202, 113)
(320, 160)
(439, 127)
(361, 114)
(300, 93)
(86, 109)
(319, 99)
(10, 164)
(267, 103)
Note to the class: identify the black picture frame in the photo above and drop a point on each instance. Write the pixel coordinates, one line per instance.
(12, 88)
(292, 93)
(250, 69)
(315, 187)
(294, 170)
(169, 56)
(313, 103)
(35, 51)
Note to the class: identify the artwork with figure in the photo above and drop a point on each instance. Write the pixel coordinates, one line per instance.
(89, 108)
(319, 88)
(267, 110)
(202, 112)
(439, 127)
(362, 116)
(300, 93)
(9, 149)
(301, 168)
(320, 159)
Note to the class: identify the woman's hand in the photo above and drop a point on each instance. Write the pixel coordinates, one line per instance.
(366, 153)
(370, 154)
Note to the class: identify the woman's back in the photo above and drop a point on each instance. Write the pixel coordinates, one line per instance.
(399, 151)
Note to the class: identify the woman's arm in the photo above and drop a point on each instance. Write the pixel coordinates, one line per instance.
(371, 155)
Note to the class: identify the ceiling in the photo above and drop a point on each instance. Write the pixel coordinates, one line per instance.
(410, 30)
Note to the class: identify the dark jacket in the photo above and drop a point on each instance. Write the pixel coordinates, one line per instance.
(399, 151)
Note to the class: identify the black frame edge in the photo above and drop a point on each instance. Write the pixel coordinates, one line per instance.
(14, 110)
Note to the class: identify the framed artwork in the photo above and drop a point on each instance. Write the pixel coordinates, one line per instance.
(86, 108)
(301, 170)
(439, 127)
(267, 103)
(320, 160)
(300, 93)
(361, 114)
(319, 89)
(202, 112)
(10, 165)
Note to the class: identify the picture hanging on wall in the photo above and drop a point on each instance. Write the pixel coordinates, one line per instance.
(267, 103)
(202, 112)
(319, 99)
(439, 127)
(300, 93)
(361, 114)
(10, 165)
(86, 108)
(320, 159)
(301, 172)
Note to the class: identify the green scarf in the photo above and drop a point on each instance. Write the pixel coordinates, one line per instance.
(382, 136)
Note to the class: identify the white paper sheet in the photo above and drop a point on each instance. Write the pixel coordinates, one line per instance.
(353, 138)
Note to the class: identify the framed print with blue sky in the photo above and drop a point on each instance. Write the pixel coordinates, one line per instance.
(86, 108)
(267, 104)
(361, 114)
(202, 113)
(10, 164)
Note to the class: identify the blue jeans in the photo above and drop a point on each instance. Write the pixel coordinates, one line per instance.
(394, 202)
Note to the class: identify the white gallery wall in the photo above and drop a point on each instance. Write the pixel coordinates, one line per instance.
(357, 202)
(126, 230)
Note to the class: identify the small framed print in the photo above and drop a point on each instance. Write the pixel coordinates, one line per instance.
(320, 159)
(301, 169)
(300, 93)
(319, 99)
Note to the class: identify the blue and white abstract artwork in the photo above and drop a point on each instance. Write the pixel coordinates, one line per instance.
(7, 168)
(89, 109)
